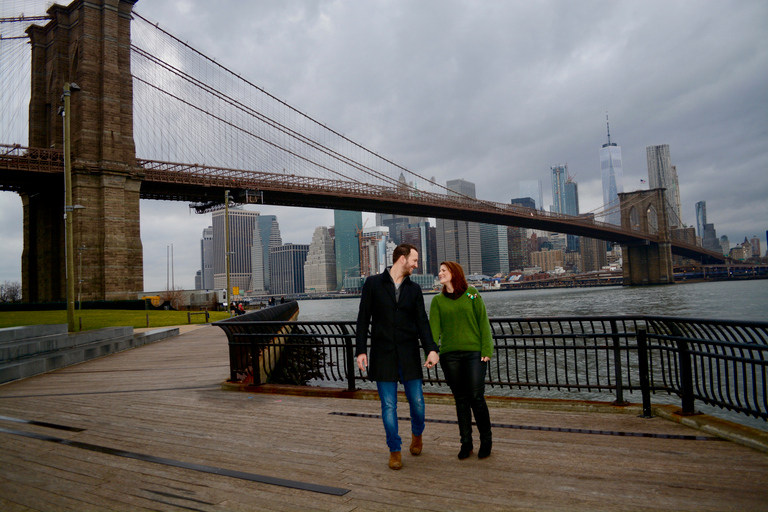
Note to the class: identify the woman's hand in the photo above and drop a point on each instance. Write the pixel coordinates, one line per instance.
(432, 359)
(485, 359)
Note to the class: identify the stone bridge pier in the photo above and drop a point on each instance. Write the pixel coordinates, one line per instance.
(646, 263)
(86, 43)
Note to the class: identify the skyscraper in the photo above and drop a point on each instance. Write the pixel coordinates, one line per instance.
(572, 208)
(373, 250)
(346, 244)
(206, 259)
(396, 223)
(265, 235)
(320, 267)
(459, 240)
(725, 244)
(662, 174)
(701, 217)
(495, 256)
(421, 235)
(532, 189)
(241, 227)
(613, 178)
(517, 238)
(565, 198)
(286, 268)
(594, 254)
(710, 240)
(559, 175)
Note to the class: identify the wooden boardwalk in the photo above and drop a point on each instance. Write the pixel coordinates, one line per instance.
(144, 414)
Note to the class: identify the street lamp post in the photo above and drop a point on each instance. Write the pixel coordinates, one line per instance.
(80, 278)
(226, 247)
(69, 208)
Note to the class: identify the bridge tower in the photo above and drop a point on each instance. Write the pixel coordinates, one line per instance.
(88, 43)
(649, 263)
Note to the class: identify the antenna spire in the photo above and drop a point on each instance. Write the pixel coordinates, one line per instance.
(608, 126)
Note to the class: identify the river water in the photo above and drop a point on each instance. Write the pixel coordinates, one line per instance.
(725, 300)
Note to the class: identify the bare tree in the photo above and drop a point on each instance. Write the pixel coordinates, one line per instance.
(10, 291)
(175, 297)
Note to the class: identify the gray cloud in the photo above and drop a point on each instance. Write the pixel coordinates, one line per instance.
(496, 92)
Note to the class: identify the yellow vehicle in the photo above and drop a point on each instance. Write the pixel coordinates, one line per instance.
(154, 300)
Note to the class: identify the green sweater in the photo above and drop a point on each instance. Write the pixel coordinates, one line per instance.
(461, 324)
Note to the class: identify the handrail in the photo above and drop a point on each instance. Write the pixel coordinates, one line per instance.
(720, 363)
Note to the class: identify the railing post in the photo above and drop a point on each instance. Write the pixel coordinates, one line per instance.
(686, 377)
(617, 365)
(255, 362)
(645, 381)
(350, 358)
(686, 370)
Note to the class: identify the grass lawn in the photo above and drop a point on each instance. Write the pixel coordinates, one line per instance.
(99, 318)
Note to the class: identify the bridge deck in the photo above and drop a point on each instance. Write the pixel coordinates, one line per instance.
(148, 411)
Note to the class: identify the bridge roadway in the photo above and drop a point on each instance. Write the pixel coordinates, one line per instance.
(152, 429)
(20, 169)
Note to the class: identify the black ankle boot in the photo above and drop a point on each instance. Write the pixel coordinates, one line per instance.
(485, 449)
(466, 450)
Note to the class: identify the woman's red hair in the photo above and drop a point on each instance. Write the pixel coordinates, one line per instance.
(458, 281)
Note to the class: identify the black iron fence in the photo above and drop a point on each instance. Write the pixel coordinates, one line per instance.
(720, 363)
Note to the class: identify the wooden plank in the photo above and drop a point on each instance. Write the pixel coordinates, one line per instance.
(165, 400)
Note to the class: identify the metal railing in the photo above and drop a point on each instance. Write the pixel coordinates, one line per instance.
(719, 363)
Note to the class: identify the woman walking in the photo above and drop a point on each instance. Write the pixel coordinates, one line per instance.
(460, 327)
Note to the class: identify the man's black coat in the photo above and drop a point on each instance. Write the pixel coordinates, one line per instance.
(396, 328)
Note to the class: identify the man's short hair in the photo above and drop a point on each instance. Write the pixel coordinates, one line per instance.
(402, 250)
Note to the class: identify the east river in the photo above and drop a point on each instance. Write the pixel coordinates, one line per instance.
(725, 300)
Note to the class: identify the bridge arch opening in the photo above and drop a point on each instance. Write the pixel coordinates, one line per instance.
(653, 220)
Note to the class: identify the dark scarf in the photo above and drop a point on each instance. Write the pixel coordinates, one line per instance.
(455, 294)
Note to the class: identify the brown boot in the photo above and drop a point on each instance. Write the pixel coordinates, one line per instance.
(416, 445)
(395, 460)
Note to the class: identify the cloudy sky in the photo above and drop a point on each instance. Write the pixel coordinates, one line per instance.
(493, 92)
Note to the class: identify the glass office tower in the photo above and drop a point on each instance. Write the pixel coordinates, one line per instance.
(613, 178)
(559, 175)
(532, 189)
(347, 244)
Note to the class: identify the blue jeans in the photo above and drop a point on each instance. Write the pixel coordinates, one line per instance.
(388, 397)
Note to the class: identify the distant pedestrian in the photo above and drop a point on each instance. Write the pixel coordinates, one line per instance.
(461, 328)
(282, 300)
(241, 309)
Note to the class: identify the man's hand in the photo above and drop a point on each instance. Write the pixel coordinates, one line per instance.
(432, 359)
(362, 362)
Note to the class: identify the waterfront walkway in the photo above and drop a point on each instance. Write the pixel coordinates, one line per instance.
(152, 429)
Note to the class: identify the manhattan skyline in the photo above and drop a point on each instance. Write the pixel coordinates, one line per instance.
(479, 92)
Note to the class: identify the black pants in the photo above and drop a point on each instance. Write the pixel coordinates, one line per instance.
(465, 374)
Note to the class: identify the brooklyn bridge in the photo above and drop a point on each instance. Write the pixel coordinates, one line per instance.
(153, 118)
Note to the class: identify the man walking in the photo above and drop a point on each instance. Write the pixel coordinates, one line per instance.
(393, 306)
